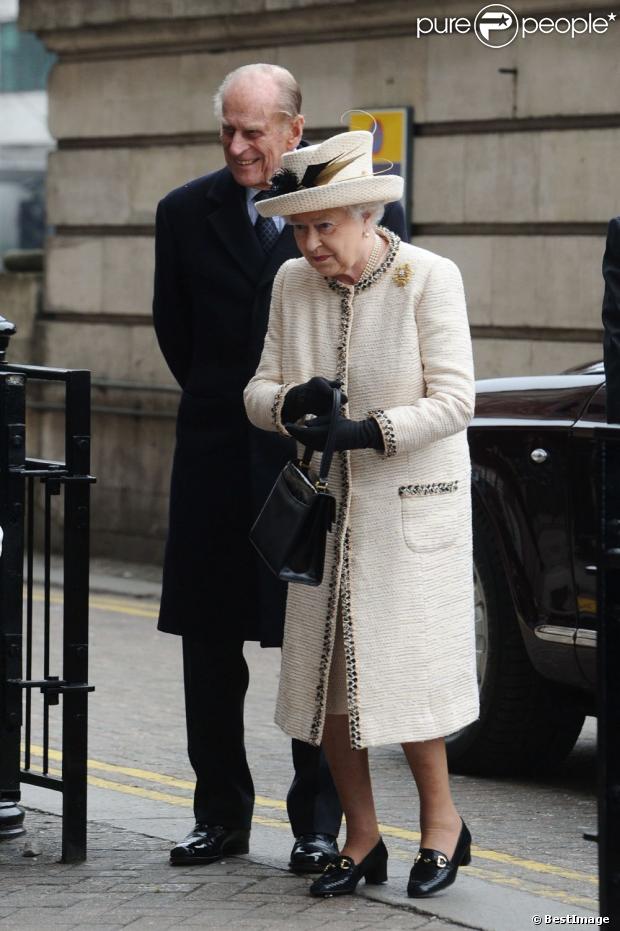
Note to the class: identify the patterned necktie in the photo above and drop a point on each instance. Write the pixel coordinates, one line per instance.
(266, 229)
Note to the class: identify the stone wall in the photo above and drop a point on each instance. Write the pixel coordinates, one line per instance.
(20, 302)
(515, 173)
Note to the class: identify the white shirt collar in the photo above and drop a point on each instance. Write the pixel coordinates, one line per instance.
(250, 194)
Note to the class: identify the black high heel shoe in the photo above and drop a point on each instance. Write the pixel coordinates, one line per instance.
(433, 870)
(341, 876)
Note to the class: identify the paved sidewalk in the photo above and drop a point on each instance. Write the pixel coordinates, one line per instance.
(127, 883)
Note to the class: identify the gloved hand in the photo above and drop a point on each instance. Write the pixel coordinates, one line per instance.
(350, 434)
(312, 397)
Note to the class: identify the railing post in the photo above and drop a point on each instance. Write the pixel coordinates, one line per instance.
(75, 643)
(12, 454)
(608, 663)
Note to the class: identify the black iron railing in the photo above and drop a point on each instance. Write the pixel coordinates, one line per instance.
(44, 631)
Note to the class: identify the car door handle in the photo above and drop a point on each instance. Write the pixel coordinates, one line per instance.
(539, 455)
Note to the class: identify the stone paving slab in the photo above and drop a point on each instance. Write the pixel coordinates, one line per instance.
(111, 893)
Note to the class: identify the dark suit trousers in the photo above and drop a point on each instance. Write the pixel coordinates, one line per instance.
(216, 680)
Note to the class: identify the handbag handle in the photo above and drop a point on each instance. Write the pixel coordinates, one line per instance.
(328, 452)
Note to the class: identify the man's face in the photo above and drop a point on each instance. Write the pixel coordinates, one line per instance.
(254, 134)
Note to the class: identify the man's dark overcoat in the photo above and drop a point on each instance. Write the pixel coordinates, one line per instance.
(211, 307)
(611, 320)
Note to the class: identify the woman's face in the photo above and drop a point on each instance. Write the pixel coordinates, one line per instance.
(332, 241)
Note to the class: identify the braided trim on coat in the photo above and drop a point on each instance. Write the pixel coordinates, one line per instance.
(348, 636)
(276, 408)
(387, 431)
(431, 488)
(346, 317)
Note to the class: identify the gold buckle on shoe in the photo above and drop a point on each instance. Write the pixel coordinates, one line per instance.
(440, 860)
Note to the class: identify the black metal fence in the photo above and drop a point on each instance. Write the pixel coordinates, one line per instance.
(44, 628)
(608, 674)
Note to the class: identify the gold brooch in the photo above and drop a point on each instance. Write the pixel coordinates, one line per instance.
(403, 274)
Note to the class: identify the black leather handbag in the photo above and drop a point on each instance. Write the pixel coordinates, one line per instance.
(290, 532)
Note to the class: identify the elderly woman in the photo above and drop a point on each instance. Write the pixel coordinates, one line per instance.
(383, 650)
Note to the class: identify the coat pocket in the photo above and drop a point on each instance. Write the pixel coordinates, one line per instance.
(435, 515)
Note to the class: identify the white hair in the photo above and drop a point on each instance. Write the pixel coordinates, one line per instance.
(289, 92)
(374, 211)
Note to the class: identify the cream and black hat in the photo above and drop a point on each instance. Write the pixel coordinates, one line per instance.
(334, 173)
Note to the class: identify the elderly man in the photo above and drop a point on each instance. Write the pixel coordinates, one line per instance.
(215, 265)
(611, 320)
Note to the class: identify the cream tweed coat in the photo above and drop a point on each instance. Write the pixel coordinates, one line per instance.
(400, 558)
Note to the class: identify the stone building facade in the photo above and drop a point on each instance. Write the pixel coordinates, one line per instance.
(515, 174)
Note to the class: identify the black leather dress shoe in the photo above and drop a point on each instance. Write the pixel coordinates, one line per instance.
(208, 843)
(433, 871)
(341, 876)
(312, 852)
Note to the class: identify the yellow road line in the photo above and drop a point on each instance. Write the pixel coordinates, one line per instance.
(98, 605)
(106, 604)
(516, 883)
(154, 796)
(185, 802)
(493, 856)
(535, 866)
(149, 776)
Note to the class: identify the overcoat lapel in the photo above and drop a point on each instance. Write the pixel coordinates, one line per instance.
(231, 223)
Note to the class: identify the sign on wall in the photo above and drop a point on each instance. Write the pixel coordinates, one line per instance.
(392, 143)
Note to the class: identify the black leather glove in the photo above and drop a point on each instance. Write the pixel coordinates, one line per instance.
(313, 397)
(350, 434)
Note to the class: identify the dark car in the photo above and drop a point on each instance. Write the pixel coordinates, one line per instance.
(533, 467)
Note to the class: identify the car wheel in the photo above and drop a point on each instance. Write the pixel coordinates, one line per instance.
(526, 724)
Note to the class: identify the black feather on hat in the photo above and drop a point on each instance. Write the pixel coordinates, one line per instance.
(285, 181)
